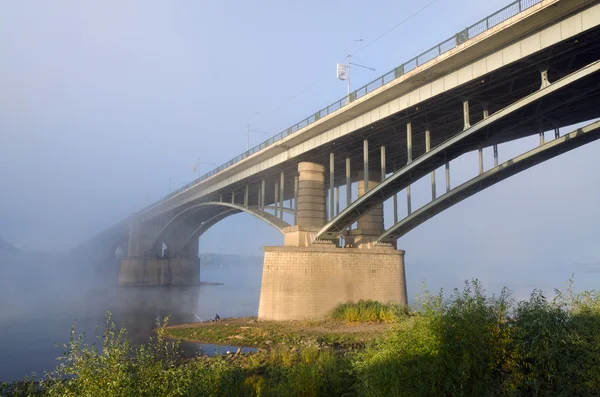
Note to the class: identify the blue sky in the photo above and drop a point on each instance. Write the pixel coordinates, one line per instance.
(102, 102)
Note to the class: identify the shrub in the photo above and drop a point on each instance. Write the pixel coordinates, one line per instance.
(368, 311)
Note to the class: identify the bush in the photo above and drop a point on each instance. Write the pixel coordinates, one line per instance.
(472, 345)
(369, 311)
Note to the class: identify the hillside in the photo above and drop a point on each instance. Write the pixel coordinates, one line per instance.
(7, 250)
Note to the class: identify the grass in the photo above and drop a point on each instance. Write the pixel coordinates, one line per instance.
(268, 335)
(369, 311)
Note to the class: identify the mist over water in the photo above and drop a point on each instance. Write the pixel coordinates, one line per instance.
(41, 300)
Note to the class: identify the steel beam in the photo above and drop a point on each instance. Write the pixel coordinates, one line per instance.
(408, 143)
(246, 197)
(331, 186)
(427, 149)
(348, 182)
(276, 198)
(495, 155)
(382, 163)
(337, 200)
(281, 194)
(262, 193)
(447, 177)
(366, 165)
(466, 115)
(408, 203)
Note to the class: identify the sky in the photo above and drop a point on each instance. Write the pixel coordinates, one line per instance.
(104, 106)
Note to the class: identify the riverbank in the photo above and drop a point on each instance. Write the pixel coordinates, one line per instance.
(465, 344)
(248, 332)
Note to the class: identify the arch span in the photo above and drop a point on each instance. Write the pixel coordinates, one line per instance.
(190, 221)
(551, 149)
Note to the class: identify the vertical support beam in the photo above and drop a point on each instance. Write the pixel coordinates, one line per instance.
(556, 133)
(262, 194)
(281, 194)
(480, 160)
(495, 155)
(395, 200)
(233, 197)
(259, 205)
(221, 198)
(408, 161)
(331, 186)
(348, 183)
(408, 143)
(246, 197)
(542, 138)
(486, 114)
(337, 200)
(447, 177)
(276, 198)
(544, 77)
(427, 149)
(466, 114)
(366, 165)
(383, 163)
(295, 199)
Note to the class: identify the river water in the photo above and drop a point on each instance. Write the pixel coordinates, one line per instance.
(40, 306)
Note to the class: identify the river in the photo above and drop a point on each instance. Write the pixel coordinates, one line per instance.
(39, 310)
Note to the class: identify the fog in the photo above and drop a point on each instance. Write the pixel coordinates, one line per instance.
(105, 106)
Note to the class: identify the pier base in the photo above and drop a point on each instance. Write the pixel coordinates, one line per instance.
(308, 282)
(137, 271)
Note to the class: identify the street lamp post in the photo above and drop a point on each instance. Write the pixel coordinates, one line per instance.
(196, 167)
(248, 131)
(344, 70)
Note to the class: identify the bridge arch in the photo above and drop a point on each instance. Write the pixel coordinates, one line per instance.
(179, 231)
(544, 152)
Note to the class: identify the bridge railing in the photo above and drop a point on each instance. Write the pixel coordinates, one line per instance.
(468, 33)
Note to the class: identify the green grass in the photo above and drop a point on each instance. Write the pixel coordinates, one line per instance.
(468, 344)
(369, 311)
(269, 335)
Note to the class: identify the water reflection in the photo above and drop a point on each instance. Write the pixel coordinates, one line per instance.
(38, 315)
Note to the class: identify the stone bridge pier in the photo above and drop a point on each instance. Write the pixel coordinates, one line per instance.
(147, 264)
(306, 279)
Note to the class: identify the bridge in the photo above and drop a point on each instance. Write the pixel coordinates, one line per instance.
(531, 68)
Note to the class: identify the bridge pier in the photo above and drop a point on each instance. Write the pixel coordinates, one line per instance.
(308, 282)
(140, 268)
(140, 271)
(306, 279)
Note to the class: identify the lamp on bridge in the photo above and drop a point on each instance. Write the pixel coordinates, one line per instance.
(196, 167)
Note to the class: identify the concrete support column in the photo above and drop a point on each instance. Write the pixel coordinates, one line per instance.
(370, 225)
(311, 205)
(311, 195)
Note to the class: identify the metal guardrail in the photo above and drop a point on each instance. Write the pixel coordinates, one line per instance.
(468, 33)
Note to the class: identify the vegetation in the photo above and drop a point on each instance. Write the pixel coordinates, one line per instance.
(369, 311)
(468, 344)
(269, 335)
